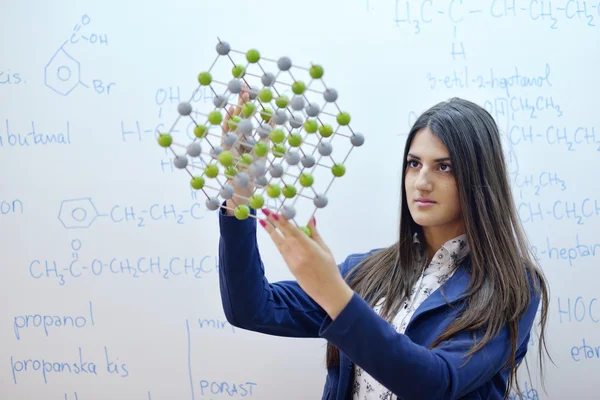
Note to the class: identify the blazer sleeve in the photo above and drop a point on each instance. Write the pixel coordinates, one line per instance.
(249, 300)
(412, 371)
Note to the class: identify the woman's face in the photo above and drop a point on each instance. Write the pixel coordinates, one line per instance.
(430, 185)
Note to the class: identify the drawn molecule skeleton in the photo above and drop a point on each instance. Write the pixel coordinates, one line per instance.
(289, 141)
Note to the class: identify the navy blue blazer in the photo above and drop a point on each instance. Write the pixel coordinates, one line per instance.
(401, 362)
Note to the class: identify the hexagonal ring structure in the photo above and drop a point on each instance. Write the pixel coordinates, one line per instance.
(77, 213)
(62, 73)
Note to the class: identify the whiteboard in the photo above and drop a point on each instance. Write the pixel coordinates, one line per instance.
(109, 259)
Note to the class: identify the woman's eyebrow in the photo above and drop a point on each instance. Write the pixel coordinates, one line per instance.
(436, 160)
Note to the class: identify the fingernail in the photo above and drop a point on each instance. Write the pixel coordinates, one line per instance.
(314, 221)
(266, 211)
(275, 217)
(263, 223)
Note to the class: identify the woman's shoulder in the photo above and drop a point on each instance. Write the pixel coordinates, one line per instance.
(354, 259)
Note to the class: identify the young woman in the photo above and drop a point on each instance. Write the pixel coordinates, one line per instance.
(444, 313)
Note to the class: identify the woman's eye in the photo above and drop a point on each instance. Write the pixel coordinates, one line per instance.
(413, 163)
(445, 167)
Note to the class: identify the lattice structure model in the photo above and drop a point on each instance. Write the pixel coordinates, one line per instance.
(285, 148)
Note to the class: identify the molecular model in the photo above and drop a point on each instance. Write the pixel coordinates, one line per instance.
(283, 148)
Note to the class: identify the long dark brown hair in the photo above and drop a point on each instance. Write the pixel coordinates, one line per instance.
(499, 291)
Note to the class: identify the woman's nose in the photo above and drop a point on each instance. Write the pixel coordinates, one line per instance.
(423, 181)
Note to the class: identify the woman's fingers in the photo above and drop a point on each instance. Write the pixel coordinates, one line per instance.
(275, 235)
(284, 226)
(315, 235)
(228, 116)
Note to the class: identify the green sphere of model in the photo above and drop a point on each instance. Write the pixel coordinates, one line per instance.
(246, 159)
(242, 211)
(200, 131)
(215, 117)
(266, 114)
(311, 126)
(197, 182)
(273, 190)
(298, 87)
(316, 71)
(211, 170)
(205, 78)
(279, 150)
(256, 201)
(253, 56)
(165, 140)
(265, 95)
(277, 135)
(306, 180)
(226, 158)
(338, 170)
(248, 109)
(306, 230)
(343, 118)
(326, 130)
(261, 149)
(289, 191)
(231, 171)
(238, 71)
(282, 101)
(295, 139)
(233, 122)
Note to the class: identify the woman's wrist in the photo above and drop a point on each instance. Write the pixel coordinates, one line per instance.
(337, 299)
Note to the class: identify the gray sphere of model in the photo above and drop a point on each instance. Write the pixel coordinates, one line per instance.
(261, 181)
(253, 92)
(194, 149)
(292, 157)
(296, 121)
(250, 142)
(312, 110)
(308, 161)
(257, 168)
(320, 201)
(245, 127)
(184, 108)
(234, 86)
(264, 131)
(241, 180)
(297, 103)
(215, 151)
(226, 192)
(325, 149)
(280, 117)
(330, 95)
(284, 63)
(229, 139)
(288, 212)
(212, 203)
(276, 170)
(223, 48)
(357, 139)
(180, 161)
(268, 79)
(220, 101)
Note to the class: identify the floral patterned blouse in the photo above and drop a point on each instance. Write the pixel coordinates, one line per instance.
(439, 270)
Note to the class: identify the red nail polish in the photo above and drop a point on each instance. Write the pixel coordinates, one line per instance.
(314, 221)
(276, 217)
(266, 211)
(263, 223)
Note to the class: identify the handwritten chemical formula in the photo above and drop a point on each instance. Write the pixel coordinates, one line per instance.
(419, 14)
(63, 72)
(82, 213)
(144, 266)
(577, 211)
